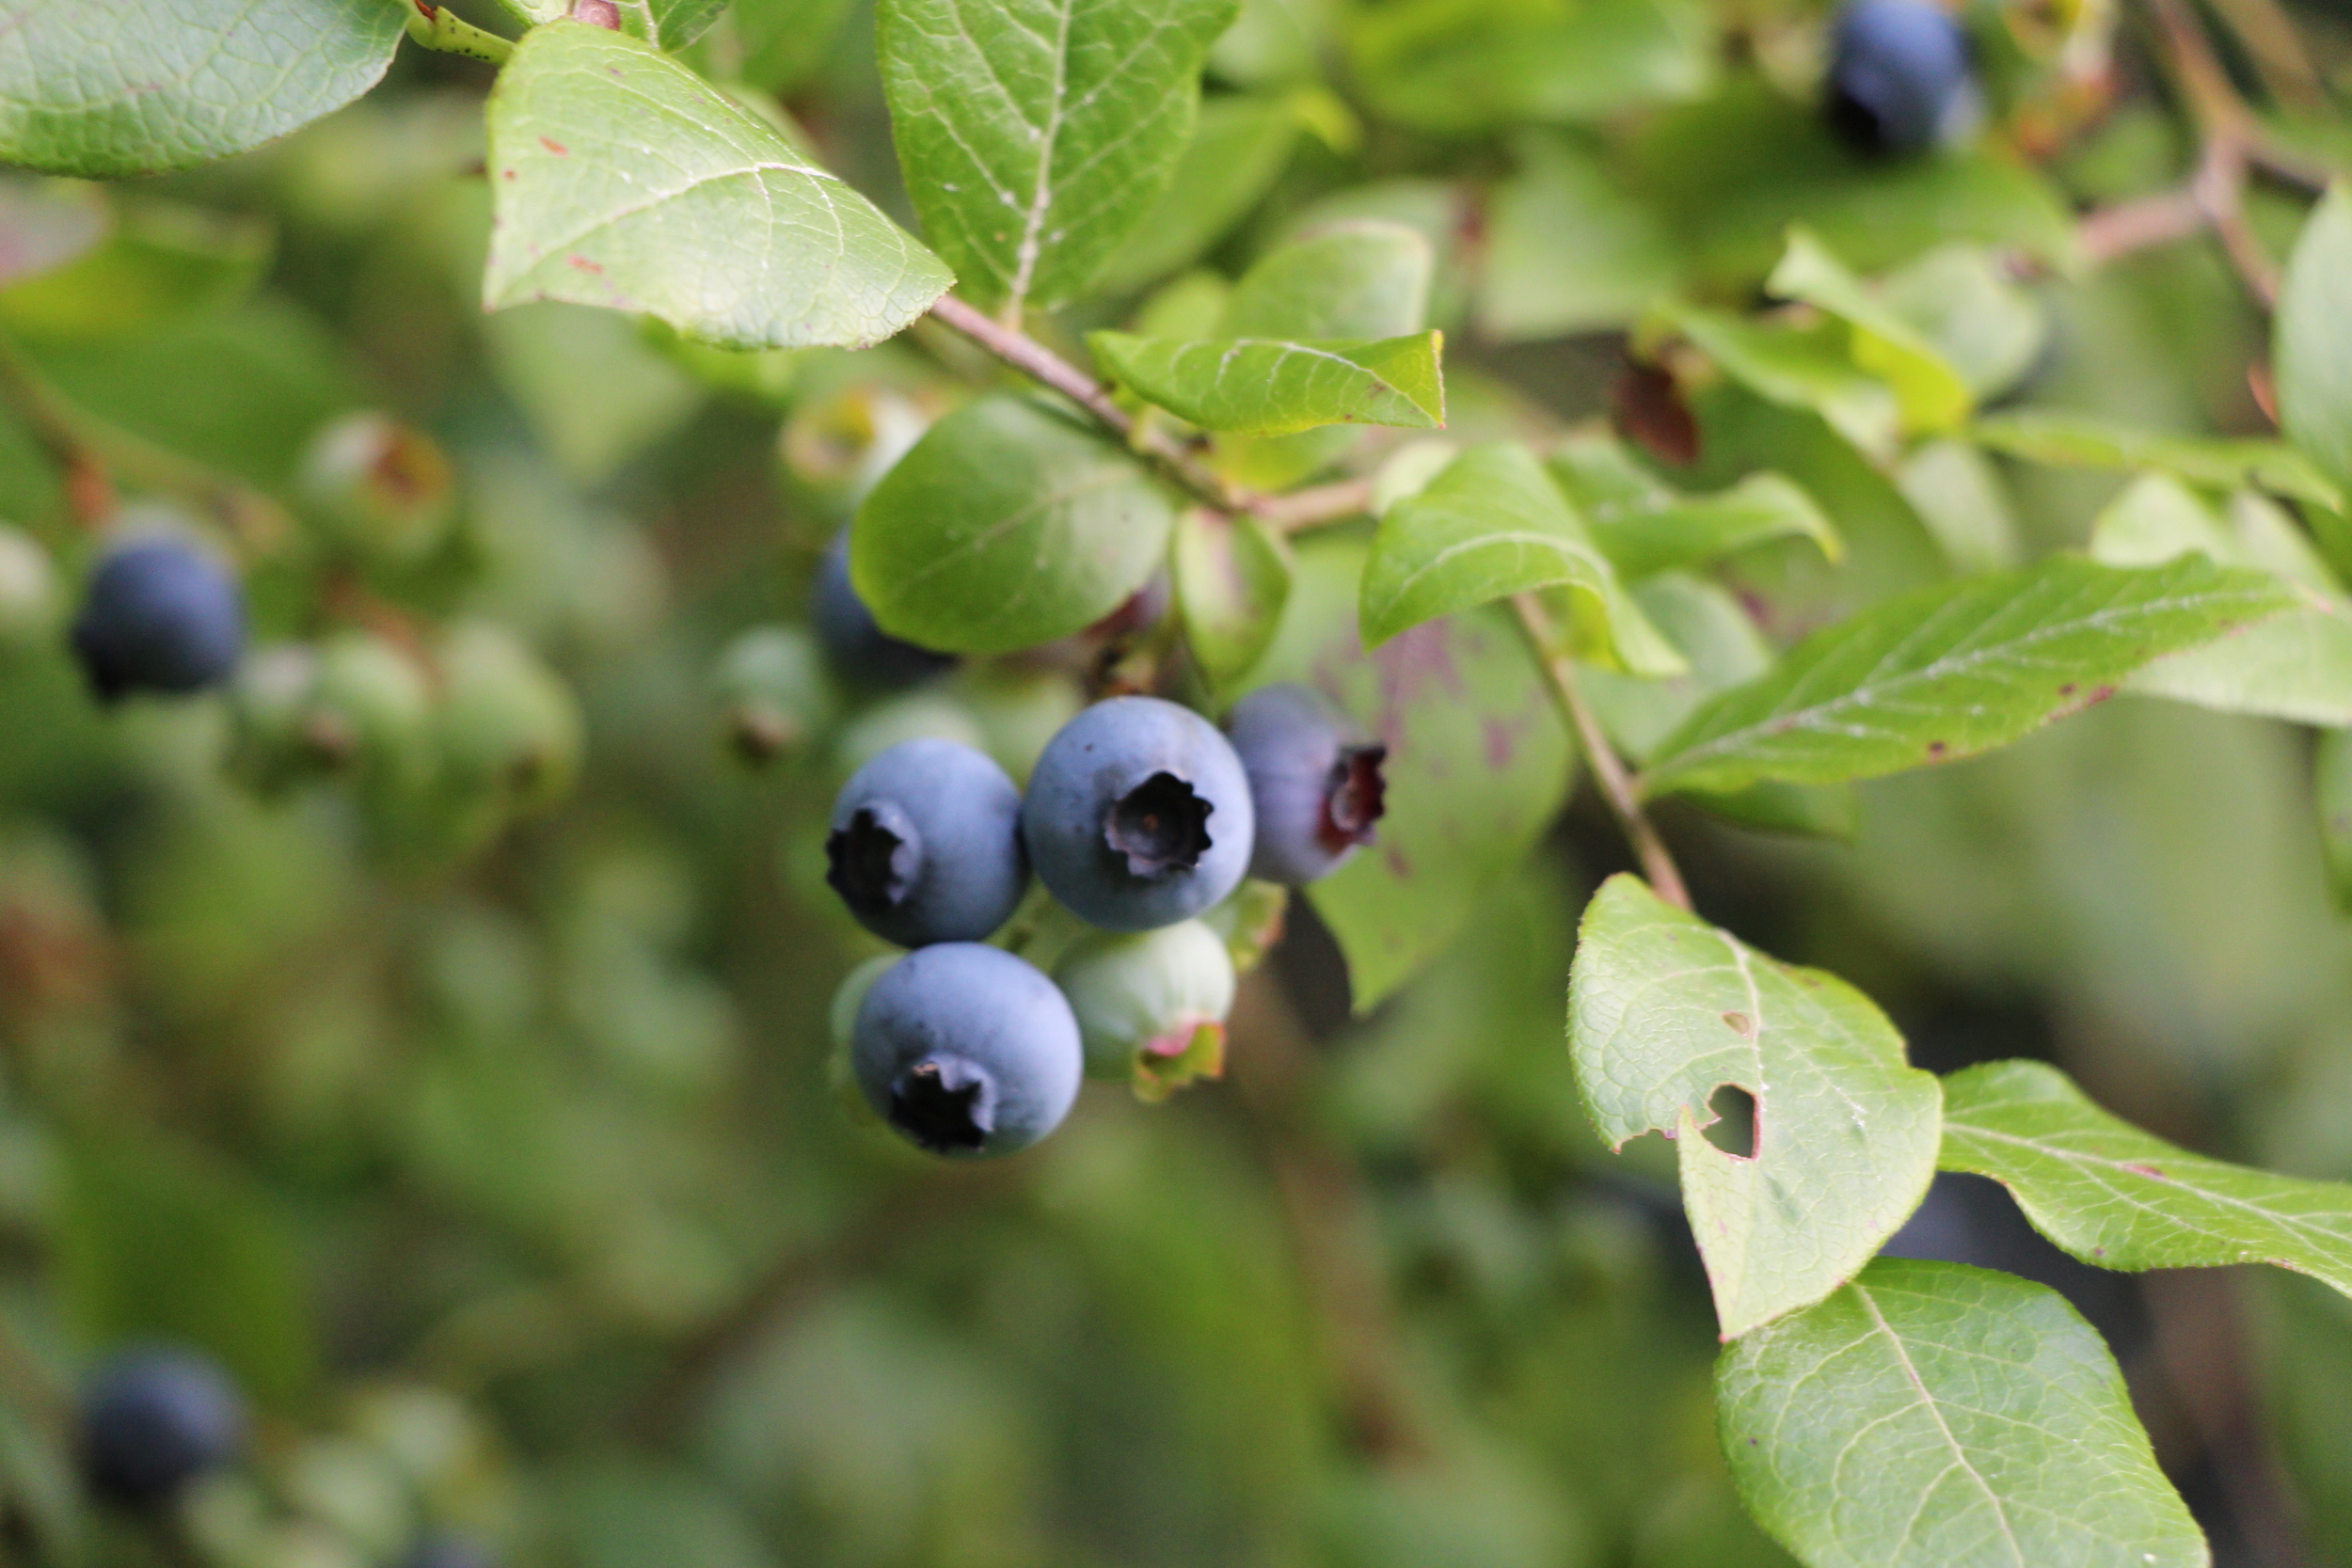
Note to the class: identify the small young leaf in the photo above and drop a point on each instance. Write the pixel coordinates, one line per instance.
(1663, 1010)
(1232, 576)
(1009, 523)
(623, 180)
(1263, 387)
(114, 88)
(1364, 279)
(1491, 525)
(2116, 1197)
(1036, 134)
(1931, 393)
(1478, 763)
(1936, 1415)
(1647, 527)
(1955, 669)
(1962, 299)
(2313, 339)
(2086, 441)
(2295, 666)
(1810, 367)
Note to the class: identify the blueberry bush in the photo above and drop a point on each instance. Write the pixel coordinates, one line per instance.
(794, 782)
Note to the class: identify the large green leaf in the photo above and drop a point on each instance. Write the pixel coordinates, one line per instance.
(1957, 668)
(114, 88)
(1009, 523)
(1263, 387)
(623, 180)
(2314, 338)
(1645, 526)
(1936, 1415)
(1036, 134)
(1490, 525)
(2088, 441)
(1569, 250)
(1665, 1009)
(2297, 665)
(2121, 1198)
(1457, 66)
(1478, 763)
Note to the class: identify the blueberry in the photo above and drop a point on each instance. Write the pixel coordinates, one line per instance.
(446, 1551)
(926, 845)
(1900, 77)
(152, 1420)
(859, 651)
(1318, 787)
(968, 1050)
(29, 591)
(1150, 1007)
(1138, 814)
(160, 615)
(774, 691)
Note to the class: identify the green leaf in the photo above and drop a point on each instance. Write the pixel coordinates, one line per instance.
(1936, 1415)
(1036, 134)
(1707, 627)
(2117, 1196)
(1644, 526)
(1361, 278)
(1009, 523)
(1954, 669)
(1807, 366)
(785, 42)
(1929, 393)
(1664, 1010)
(1569, 250)
(1461, 65)
(1490, 525)
(160, 265)
(2295, 666)
(2086, 441)
(2312, 338)
(1262, 387)
(1478, 763)
(1962, 301)
(2331, 792)
(1964, 502)
(114, 88)
(1237, 152)
(1232, 576)
(623, 180)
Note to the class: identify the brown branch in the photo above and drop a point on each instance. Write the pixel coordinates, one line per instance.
(2229, 132)
(2109, 232)
(1325, 503)
(1616, 784)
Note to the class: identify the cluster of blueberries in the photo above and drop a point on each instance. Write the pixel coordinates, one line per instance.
(1141, 817)
(1900, 77)
(154, 1420)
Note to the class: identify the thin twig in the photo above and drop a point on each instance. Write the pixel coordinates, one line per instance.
(1043, 365)
(2229, 132)
(1616, 784)
(1312, 508)
(2109, 232)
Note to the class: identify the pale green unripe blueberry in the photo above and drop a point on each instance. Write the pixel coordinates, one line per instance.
(1150, 1007)
(31, 606)
(371, 708)
(379, 488)
(774, 691)
(509, 728)
(917, 716)
(269, 707)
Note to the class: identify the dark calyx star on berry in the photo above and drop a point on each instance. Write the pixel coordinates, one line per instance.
(1159, 826)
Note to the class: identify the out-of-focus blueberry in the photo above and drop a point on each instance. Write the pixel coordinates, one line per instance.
(859, 652)
(1317, 786)
(154, 1420)
(160, 615)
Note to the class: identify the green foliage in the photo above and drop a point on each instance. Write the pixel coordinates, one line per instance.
(2315, 389)
(1253, 387)
(2039, 1462)
(1664, 1011)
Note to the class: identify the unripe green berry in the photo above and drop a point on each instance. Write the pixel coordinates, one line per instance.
(917, 716)
(269, 709)
(372, 707)
(379, 488)
(31, 606)
(1150, 1007)
(775, 696)
(509, 729)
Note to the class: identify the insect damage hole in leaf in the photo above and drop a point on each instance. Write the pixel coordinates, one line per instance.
(1738, 1117)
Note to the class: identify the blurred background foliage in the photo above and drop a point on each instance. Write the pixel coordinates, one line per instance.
(500, 1158)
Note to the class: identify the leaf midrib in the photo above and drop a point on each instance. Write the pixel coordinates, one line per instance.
(1935, 1412)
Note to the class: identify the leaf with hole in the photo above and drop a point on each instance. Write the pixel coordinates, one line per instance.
(1037, 133)
(2121, 1198)
(1492, 524)
(1934, 1416)
(1009, 524)
(622, 179)
(108, 88)
(1664, 1010)
(1957, 668)
(1261, 386)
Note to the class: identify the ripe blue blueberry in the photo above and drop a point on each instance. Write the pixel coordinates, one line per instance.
(926, 845)
(446, 1551)
(1900, 77)
(1317, 786)
(1138, 814)
(859, 653)
(160, 615)
(968, 1050)
(154, 1420)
